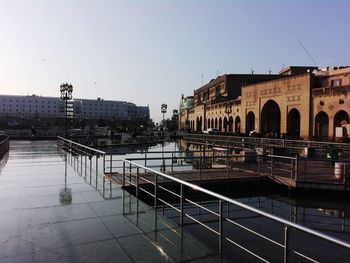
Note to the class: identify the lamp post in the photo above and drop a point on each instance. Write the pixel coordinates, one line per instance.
(66, 95)
(228, 111)
(163, 110)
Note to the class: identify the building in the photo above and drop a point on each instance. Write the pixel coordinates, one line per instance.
(33, 107)
(299, 102)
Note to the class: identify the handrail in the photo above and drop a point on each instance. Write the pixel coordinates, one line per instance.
(287, 224)
(268, 141)
(82, 145)
(244, 206)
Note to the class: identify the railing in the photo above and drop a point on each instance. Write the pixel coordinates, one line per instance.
(87, 161)
(132, 173)
(329, 91)
(253, 142)
(136, 174)
(298, 169)
(4, 145)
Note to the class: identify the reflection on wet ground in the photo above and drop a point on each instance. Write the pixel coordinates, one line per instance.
(36, 227)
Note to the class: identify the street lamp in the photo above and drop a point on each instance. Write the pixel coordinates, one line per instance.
(163, 110)
(228, 111)
(66, 95)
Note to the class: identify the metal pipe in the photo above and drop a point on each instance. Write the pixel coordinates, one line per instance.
(220, 226)
(137, 181)
(123, 182)
(286, 245)
(181, 204)
(96, 169)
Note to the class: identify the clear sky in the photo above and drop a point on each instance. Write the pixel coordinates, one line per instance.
(150, 52)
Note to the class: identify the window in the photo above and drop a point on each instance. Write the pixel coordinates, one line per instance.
(336, 82)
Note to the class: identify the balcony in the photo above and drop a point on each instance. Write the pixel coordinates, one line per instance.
(331, 91)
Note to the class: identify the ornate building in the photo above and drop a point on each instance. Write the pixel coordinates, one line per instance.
(299, 102)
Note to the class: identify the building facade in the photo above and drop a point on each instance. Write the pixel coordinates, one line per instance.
(33, 106)
(300, 102)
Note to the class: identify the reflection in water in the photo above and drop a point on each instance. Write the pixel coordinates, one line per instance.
(3, 161)
(65, 193)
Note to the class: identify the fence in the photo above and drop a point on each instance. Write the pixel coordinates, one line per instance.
(253, 142)
(132, 173)
(285, 245)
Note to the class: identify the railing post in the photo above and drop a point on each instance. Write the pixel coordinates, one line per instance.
(286, 245)
(90, 157)
(146, 158)
(110, 166)
(296, 164)
(103, 187)
(81, 164)
(137, 181)
(104, 164)
(181, 204)
(200, 168)
(272, 166)
(155, 191)
(96, 169)
(123, 180)
(85, 165)
(172, 162)
(130, 169)
(220, 226)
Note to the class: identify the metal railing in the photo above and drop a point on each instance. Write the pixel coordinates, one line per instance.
(136, 174)
(4, 145)
(132, 173)
(253, 142)
(87, 161)
(312, 170)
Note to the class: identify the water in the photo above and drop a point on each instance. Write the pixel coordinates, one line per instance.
(324, 212)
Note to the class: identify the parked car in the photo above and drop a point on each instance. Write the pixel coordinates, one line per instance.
(211, 131)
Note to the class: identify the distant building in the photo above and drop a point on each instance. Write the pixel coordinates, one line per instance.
(33, 106)
(300, 102)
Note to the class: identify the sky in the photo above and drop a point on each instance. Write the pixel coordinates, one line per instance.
(151, 52)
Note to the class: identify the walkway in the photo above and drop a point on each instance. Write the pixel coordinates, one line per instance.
(36, 227)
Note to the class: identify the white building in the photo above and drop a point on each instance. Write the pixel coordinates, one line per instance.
(50, 107)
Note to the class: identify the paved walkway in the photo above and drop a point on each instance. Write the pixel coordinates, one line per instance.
(36, 227)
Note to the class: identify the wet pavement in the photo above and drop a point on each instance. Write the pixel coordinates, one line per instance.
(36, 227)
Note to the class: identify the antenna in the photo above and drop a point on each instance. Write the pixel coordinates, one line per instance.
(217, 73)
(270, 71)
(202, 79)
(307, 52)
(252, 71)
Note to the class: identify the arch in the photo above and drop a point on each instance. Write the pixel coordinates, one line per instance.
(270, 119)
(212, 123)
(340, 119)
(321, 124)
(225, 123)
(216, 123)
(238, 125)
(208, 123)
(293, 123)
(220, 124)
(230, 124)
(250, 122)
